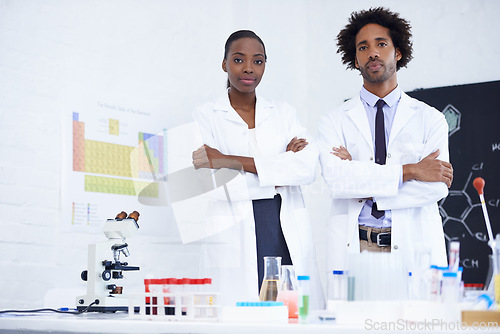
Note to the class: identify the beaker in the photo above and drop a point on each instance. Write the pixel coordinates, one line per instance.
(269, 288)
(287, 290)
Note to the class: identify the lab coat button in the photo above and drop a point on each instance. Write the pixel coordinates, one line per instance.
(348, 245)
(360, 201)
(396, 247)
(371, 158)
(388, 155)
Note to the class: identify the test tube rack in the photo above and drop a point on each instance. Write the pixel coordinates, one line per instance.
(171, 306)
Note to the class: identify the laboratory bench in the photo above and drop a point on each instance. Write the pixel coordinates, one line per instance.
(122, 323)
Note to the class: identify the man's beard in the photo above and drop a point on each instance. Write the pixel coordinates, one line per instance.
(374, 78)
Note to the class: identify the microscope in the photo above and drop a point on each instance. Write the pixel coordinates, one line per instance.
(103, 276)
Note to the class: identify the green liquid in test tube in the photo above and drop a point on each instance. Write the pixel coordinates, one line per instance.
(303, 298)
(304, 307)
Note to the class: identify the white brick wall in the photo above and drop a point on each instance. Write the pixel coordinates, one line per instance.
(162, 52)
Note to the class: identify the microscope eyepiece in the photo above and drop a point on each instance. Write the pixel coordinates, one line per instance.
(121, 215)
(134, 215)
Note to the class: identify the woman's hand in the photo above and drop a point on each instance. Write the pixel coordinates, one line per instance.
(207, 157)
(296, 145)
(341, 152)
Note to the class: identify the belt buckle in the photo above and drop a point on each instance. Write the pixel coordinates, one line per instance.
(379, 241)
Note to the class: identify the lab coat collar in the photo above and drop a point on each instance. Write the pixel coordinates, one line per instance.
(262, 109)
(406, 111)
(356, 111)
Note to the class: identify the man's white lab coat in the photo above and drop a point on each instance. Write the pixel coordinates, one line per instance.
(417, 131)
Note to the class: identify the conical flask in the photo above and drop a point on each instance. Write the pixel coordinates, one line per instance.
(287, 290)
(269, 288)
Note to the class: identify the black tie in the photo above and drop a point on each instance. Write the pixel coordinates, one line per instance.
(380, 150)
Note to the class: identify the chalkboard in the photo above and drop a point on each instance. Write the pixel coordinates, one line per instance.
(473, 115)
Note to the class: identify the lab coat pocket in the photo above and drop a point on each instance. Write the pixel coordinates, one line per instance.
(408, 152)
(336, 242)
(339, 207)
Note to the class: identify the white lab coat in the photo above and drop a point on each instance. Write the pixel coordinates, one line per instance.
(232, 253)
(417, 131)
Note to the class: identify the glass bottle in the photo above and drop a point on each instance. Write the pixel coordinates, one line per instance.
(287, 290)
(269, 288)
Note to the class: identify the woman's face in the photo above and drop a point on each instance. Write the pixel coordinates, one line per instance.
(245, 63)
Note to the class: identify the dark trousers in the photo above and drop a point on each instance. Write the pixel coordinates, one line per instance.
(270, 238)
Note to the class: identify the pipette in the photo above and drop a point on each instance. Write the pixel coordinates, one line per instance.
(479, 185)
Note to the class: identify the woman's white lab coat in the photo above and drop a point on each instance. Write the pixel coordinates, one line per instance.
(231, 254)
(417, 131)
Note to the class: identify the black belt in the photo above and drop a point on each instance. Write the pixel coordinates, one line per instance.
(382, 239)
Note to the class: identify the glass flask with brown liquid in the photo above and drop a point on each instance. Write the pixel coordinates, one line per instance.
(269, 288)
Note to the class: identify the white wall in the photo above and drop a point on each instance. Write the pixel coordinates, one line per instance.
(167, 55)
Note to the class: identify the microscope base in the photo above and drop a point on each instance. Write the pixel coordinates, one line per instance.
(107, 304)
(107, 309)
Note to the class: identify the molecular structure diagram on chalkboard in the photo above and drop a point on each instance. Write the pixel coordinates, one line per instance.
(452, 116)
(448, 211)
(458, 205)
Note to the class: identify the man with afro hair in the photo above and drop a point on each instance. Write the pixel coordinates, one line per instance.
(384, 155)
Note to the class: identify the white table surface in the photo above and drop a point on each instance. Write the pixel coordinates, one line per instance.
(123, 324)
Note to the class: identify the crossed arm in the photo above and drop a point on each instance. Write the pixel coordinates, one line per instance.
(429, 169)
(208, 157)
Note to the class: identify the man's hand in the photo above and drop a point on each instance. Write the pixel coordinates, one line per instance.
(429, 169)
(207, 157)
(296, 145)
(341, 152)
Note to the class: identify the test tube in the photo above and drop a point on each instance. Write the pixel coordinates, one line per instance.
(209, 298)
(147, 289)
(168, 300)
(450, 288)
(351, 288)
(454, 255)
(436, 282)
(411, 286)
(460, 284)
(207, 285)
(184, 284)
(156, 287)
(338, 286)
(172, 283)
(197, 284)
(304, 291)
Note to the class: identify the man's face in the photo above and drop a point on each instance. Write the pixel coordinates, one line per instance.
(376, 56)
